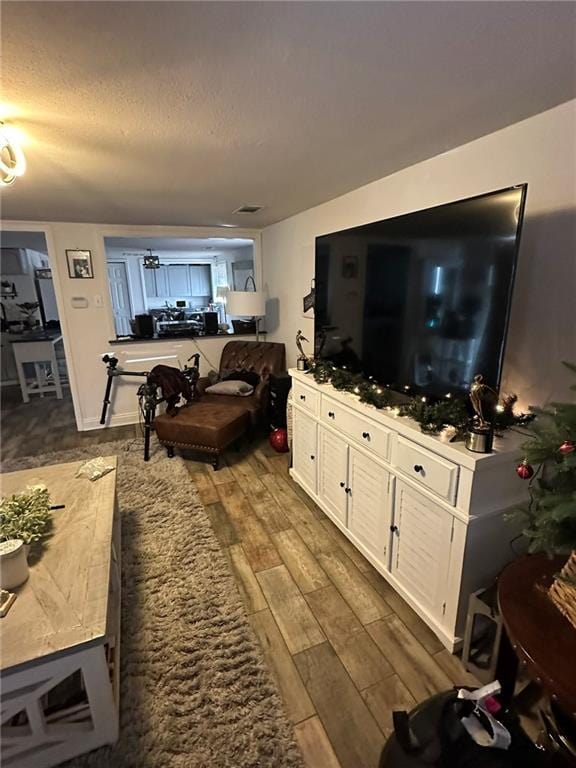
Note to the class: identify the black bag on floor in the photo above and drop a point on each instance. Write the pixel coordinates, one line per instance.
(433, 736)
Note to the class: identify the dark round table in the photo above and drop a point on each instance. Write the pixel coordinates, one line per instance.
(538, 635)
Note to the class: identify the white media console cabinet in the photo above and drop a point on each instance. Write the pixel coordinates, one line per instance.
(429, 515)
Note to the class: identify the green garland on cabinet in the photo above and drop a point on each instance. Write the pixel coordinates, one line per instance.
(432, 417)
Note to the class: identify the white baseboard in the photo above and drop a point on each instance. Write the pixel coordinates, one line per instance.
(116, 420)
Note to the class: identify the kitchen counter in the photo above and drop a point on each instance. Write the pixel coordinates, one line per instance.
(224, 335)
(30, 336)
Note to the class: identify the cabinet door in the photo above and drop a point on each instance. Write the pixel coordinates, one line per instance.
(200, 284)
(305, 449)
(368, 503)
(150, 283)
(421, 541)
(178, 280)
(333, 473)
(161, 276)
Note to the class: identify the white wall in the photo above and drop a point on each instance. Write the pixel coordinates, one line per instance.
(87, 330)
(540, 151)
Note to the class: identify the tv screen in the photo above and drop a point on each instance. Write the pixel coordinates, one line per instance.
(420, 302)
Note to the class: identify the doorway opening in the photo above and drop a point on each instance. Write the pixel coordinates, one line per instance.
(34, 386)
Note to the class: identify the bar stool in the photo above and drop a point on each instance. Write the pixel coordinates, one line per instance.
(42, 354)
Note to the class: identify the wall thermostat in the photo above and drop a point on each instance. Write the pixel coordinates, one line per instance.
(79, 302)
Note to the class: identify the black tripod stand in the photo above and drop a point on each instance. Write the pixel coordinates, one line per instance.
(147, 393)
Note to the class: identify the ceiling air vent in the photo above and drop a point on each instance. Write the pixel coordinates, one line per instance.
(248, 209)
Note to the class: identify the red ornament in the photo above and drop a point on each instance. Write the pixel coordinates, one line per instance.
(567, 447)
(525, 470)
(279, 439)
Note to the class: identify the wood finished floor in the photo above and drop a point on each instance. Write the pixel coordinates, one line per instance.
(46, 424)
(345, 649)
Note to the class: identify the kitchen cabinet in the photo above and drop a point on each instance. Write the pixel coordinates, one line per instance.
(200, 280)
(156, 282)
(162, 284)
(178, 280)
(150, 282)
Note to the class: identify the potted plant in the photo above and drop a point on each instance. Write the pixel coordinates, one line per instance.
(26, 516)
(29, 310)
(550, 516)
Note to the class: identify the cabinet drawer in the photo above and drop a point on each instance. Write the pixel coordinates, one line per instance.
(305, 397)
(427, 468)
(363, 431)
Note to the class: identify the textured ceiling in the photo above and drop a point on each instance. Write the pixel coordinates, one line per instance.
(179, 112)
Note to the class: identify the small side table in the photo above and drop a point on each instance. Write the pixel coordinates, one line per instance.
(40, 352)
(538, 635)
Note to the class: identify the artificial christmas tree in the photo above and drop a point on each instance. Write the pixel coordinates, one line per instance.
(550, 517)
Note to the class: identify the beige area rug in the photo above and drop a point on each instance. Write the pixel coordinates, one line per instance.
(195, 690)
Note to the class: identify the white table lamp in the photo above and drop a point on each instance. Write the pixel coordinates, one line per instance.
(247, 304)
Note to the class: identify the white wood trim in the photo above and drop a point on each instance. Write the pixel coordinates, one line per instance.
(46, 229)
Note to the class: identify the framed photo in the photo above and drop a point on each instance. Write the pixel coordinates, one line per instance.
(80, 264)
(350, 267)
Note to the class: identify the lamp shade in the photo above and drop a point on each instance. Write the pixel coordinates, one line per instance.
(246, 303)
(222, 292)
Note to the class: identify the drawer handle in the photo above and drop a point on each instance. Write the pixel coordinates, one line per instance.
(366, 435)
(331, 415)
(342, 485)
(312, 457)
(393, 529)
(302, 397)
(418, 468)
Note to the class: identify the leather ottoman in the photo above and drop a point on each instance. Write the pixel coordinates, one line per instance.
(205, 427)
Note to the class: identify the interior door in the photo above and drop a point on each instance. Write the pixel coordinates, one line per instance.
(421, 542)
(369, 503)
(305, 450)
(333, 473)
(120, 296)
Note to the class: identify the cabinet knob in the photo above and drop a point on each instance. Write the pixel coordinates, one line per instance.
(394, 529)
(302, 397)
(312, 457)
(342, 485)
(331, 414)
(366, 435)
(348, 490)
(418, 468)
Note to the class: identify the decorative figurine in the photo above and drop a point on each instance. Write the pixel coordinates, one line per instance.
(480, 436)
(302, 361)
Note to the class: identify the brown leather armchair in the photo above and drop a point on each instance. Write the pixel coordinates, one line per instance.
(262, 357)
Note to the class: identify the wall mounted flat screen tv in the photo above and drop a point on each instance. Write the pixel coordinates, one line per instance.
(421, 302)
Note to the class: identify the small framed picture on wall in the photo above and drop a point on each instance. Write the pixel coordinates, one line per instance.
(80, 264)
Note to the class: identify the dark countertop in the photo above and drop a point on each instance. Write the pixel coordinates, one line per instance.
(30, 336)
(136, 340)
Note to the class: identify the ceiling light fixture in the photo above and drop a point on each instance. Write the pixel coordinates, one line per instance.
(12, 160)
(151, 260)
